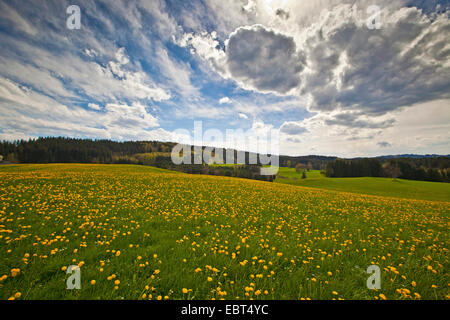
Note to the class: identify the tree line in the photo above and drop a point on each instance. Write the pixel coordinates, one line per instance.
(436, 169)
(157, 153)
(70, 150)
(154, 153)
(62, 150)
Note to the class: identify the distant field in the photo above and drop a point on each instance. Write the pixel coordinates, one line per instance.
(143, 233)
(399, 188)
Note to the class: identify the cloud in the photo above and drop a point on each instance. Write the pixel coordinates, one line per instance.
(66, 74)
(279, 61)
(12, 134)
(129, 116)
(37, 77)
(351, 67)
(384, 144)
(206, 46)
(292, 128)
(242, 116)
(94, 106)
(177, 73)
(293, 140)
(282, 14)
(255, 57)
(263, 59)
(420, 129)
(337, 62)
(358, 120)
(224, 100)
(202, 109)
(133, 84)
(9, 14)
(24, 111)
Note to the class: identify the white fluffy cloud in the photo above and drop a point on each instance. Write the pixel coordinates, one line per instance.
(242, 116)
(224, 100)
(94, 106)
(63, 74)
(30, 113)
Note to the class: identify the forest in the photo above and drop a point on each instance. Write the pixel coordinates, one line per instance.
(436, 169)
(158, 154)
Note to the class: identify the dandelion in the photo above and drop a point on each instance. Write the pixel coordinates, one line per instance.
(15, 272)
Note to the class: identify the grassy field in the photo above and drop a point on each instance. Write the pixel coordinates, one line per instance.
(143, 233)
(399, 188)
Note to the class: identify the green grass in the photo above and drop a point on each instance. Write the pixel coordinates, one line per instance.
(216, 237)
(387, 187)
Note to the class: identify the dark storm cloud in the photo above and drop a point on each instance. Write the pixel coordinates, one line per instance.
(264, 60)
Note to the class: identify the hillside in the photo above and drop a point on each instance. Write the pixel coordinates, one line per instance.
(388, 187)
(142, 233)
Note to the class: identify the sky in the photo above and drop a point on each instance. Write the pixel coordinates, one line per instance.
(331, 77)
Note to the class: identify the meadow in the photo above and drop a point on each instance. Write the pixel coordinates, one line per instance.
(399, 188)
(138, 232)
